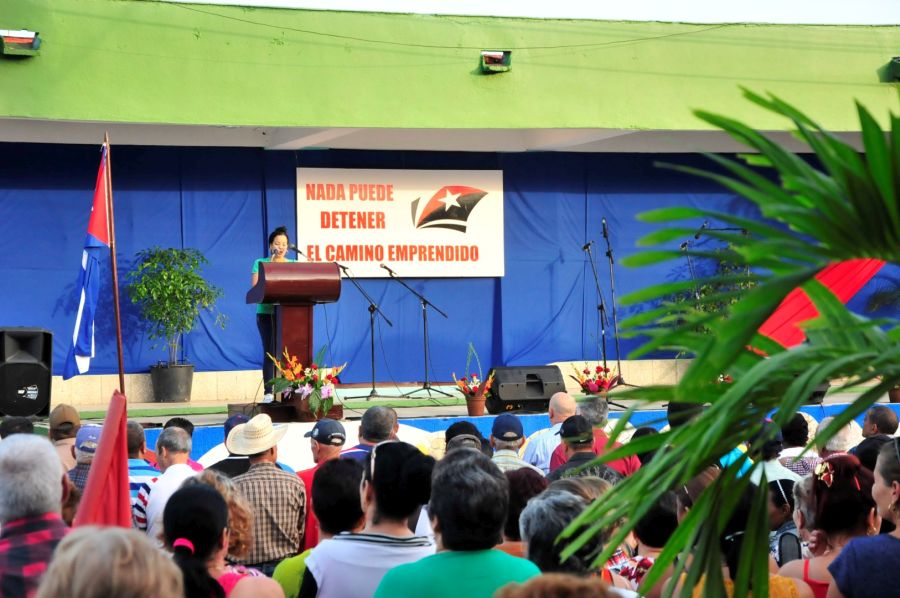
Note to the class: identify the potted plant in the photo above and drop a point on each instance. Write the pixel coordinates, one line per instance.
(307, 390)
(167, 286)
(473, 386)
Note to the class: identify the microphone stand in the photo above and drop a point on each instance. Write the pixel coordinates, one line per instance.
(684, 247)
(612, 292)
(426, 386)
(601, 306)
(373, 309)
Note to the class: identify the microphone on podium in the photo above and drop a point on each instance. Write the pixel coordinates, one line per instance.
(297, 249)
(391, 272)
(587, 246)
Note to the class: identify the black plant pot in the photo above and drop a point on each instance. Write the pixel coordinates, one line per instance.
(172, 383)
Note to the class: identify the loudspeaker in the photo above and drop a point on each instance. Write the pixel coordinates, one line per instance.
(524, 388)
(26, 357)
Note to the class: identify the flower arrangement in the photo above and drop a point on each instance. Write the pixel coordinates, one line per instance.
(595, 381)
(313, 382)
(473, 385)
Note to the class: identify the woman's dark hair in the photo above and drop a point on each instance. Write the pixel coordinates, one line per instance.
(193, 522)
(402, 480)
(842, 495)
(281, 230)
(658, 524)
(335, 495)
(732, 539)
(890, 461)
(782, 493)
(523, 484)
(796, 431)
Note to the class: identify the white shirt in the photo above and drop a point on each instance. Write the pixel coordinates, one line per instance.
(159, 493)
(351, 565)
(541, 446)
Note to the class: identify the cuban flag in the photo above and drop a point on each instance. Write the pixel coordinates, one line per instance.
(97, 241)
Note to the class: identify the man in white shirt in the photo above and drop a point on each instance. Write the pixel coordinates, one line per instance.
(172, 450)
(541, 446)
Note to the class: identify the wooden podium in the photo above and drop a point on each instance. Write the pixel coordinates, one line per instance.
(294, 287)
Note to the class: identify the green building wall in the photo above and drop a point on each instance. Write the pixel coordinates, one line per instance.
(154, 62)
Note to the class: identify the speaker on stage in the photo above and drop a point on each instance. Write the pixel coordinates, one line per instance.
(526, 388)
(26, 357)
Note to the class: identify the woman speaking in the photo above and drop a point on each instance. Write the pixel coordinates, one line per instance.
(265, 312)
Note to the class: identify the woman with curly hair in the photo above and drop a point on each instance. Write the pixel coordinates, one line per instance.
(240, 517)
(835, 503)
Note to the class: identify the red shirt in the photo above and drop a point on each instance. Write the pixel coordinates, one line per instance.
(311, 538)
(26, 547)
(626, 465)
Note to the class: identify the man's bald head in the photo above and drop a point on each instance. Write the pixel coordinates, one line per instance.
(562, 406)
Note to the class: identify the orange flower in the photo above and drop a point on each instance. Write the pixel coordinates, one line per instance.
(289, 375)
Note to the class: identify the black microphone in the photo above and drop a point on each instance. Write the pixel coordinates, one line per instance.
(392, 273)
(703, 227)
(297, 249)
(605, 231)
(587, 246)
(684, 246)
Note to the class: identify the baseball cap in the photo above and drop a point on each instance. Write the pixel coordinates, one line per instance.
(576, 429)
(507, 427)
(64, 414)
(328, 431)
(88, 438)
(235, 420)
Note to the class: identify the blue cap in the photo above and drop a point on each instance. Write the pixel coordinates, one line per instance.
(235, 420)
(87, 439)
(328, 431)
(507, 427)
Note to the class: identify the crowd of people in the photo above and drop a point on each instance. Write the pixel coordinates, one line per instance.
(383, 519)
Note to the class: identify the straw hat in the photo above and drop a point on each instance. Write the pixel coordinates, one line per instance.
(256, 436)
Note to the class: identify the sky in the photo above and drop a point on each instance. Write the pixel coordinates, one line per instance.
(830, 12)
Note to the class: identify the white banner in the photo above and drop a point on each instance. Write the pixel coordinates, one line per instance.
(420, 223)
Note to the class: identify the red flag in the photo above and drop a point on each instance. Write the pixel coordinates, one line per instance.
(844, 279)
(106, 499)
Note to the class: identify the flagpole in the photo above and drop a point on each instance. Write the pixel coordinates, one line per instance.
(112, 254)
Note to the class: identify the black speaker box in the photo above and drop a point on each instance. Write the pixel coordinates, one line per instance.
(527, 388)
(26, 358)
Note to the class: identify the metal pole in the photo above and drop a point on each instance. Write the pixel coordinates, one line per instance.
(112, 254)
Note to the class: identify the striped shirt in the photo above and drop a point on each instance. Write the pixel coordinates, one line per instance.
(140, 474)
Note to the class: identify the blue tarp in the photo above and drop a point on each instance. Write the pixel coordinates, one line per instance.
(224, 201)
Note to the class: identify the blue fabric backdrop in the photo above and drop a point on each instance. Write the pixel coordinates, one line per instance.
(224, 201)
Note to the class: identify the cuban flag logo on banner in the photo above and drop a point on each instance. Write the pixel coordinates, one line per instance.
(78, 360)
